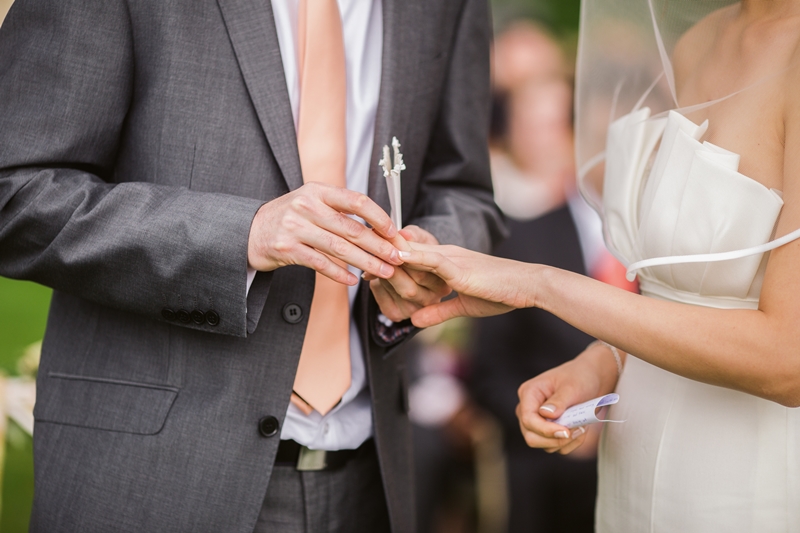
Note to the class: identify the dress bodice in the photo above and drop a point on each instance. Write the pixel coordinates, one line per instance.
(693, 201)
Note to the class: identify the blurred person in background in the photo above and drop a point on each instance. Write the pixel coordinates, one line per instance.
(533, 173)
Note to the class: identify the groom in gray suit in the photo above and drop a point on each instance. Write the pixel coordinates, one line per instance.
(150, 174)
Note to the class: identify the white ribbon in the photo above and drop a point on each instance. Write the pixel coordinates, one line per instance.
(711, 258)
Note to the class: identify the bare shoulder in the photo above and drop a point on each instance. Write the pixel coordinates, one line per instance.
(696, 42)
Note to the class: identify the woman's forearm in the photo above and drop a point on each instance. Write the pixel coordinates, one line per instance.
(746, 350)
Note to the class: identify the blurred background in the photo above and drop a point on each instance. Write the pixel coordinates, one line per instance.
(475, 473)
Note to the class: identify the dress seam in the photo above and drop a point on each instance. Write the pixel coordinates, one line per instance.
(658, 463)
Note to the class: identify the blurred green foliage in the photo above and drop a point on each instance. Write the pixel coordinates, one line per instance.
(561, 16)
(23, 313)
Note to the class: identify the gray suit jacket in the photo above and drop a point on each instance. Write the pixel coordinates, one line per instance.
(137, 141)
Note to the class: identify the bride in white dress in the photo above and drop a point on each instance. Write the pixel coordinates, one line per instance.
(700, 197)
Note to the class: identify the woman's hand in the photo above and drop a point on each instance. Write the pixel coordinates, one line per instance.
(545, 397)
(485, 285)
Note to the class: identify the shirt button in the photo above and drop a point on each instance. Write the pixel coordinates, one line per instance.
(292, 313)
(326, 428)
(183, 316)
(268, 426)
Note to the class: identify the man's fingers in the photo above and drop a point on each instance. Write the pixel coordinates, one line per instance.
(392, 305)
(430, 281)
(437, 313)
(408, 289)
(323, 264)
(358, 234)
(386, 302)
(336, 246)
(354, 203)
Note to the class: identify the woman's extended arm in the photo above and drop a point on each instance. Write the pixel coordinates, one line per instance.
(754, 351)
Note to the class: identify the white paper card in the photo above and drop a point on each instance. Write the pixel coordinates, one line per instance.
(586, 413)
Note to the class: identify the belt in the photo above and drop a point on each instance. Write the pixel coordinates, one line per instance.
(291, 453)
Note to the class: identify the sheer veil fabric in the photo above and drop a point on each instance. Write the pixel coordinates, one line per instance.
(679, 214)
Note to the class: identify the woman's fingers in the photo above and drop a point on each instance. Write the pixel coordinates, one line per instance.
(431, 261)
(577, 437)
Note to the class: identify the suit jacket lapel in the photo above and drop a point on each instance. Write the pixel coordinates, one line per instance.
(251, 28)
(398, 72)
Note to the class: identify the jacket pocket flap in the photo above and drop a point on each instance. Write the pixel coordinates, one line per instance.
(102, 403)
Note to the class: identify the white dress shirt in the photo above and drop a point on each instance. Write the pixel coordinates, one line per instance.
(349, 424)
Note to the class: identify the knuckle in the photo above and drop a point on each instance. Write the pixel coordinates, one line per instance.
(319, 262)
(339, 247)
(353, 228)
(410, 292)
(373, 265)
(282, 245)
(300, 203)
(360, 201)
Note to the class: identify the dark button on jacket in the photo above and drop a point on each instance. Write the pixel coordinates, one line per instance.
(184, 316)
(198, 317)
(168, 315)
(268, 426)
(212, 317)
(292, 313)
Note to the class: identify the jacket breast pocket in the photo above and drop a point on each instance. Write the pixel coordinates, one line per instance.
(101, 403)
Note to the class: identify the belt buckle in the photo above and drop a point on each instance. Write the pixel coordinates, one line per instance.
(311, 460)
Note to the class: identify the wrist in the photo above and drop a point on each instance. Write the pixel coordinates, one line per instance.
(539, 282)
(603, 361)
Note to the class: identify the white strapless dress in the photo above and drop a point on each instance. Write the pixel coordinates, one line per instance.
(691, 457)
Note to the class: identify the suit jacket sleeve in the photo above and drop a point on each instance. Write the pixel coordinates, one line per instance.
(456, 202)
(66, 86)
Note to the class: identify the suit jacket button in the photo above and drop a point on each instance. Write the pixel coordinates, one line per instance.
(198, 317)
(183, 316)
(268, 426)
(292, 313)
(168, 314)
(212, 317)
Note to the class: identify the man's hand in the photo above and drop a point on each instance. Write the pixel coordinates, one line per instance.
(408, 290)
(309, 226)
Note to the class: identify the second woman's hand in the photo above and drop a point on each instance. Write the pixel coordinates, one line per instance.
(545, 398)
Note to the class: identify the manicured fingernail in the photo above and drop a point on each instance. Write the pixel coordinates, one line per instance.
(562, 434)
(578, 432)
(548, 408)
(404, 255)
(386, 271)
(392, 232)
